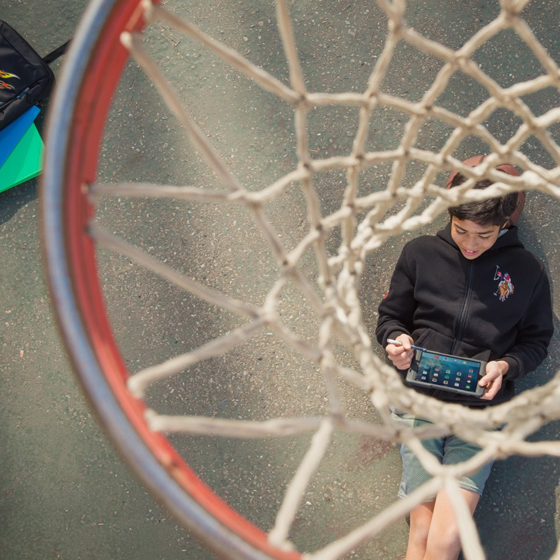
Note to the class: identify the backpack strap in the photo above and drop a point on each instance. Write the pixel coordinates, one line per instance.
(52, 56)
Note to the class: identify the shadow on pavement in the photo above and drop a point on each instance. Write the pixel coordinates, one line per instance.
(12, 200)
(516, 517)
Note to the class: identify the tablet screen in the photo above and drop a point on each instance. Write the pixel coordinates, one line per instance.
(454, 373)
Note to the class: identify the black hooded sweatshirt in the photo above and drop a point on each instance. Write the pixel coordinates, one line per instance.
(494, 307)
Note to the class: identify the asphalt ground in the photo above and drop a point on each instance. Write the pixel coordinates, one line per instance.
(65, 492)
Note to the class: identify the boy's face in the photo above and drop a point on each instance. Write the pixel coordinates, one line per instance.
(472, 238)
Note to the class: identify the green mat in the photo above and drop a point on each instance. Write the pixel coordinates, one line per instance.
(24, 162)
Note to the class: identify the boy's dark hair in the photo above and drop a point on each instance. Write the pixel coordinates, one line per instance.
(494, 211)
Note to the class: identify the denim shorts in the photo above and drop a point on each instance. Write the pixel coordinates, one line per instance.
(448, 450)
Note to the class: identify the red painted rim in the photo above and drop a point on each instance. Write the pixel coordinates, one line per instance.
(86, 127)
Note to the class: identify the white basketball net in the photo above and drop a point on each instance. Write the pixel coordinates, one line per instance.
(364, 229)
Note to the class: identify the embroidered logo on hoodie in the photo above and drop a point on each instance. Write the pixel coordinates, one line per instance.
(505, 286)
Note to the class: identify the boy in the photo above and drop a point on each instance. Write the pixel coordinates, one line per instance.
(472, 290)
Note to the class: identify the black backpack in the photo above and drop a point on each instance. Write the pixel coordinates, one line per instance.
(25, 77)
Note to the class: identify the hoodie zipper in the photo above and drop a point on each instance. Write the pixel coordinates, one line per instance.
(463, 314)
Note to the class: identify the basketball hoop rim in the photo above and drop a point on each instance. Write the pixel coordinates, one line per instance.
(74, 131)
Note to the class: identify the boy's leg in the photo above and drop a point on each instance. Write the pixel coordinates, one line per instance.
(444, 535)
(420, 521)
(413, 477)
(443, 538)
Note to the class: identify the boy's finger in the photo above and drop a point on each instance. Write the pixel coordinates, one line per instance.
(487, 379)
(394, 350)
(405, 358)
(492, 384)
(405, 340)
(402, 365)
(490, 393)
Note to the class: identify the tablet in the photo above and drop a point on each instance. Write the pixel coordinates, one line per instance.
(448, 373)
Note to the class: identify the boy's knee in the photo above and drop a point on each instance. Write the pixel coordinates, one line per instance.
(444, 543)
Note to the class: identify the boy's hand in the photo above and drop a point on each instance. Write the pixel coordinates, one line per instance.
(492, 381)
(401, 356)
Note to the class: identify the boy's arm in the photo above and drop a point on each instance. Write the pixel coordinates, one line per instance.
(535, 332)
(396, 311)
